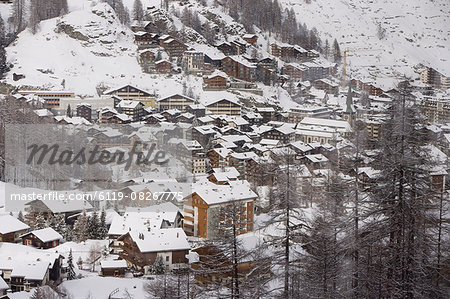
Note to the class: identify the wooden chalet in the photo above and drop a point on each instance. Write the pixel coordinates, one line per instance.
(114, 268)
(85, 111)
(174, 47)
(133, 93)
(176, 101)
(11, 229)
(42, 238)
(140, 249)
(142, 38)
(250, 38)
(215, 81)
(239, 68)
(163, 66)
(224, 106)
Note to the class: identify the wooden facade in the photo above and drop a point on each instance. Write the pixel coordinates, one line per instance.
(239, 69)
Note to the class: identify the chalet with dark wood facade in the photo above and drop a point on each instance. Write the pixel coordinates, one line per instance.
(224, 106)
(174, 47)
(115, 268)
(11, 229)
(84, 111)
(239, 68)
(140, 249)
(42, 238)
(215, 81)
(176, 101)
(163, 66)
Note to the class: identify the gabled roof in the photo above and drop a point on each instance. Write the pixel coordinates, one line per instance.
(128, 104)
(128, 85)
(214, 194)
(223, 152)
(64, 206)
(30, 271)
(9, 224)
(162, 240)
(317, 158)
(45, 235)
(113, 264)
(214, 101)
(176, 95)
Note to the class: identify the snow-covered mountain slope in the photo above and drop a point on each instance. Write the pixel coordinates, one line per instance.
(87, 44)
(416, 31)
(89, 47)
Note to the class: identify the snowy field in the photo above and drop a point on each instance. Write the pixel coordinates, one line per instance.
(104, 286)
(416, 31)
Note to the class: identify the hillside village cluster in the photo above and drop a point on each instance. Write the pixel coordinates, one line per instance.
(235, 149)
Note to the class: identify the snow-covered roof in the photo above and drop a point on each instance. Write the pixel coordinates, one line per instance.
(243, 61)
(317, 158)
(143, 219)
(206, 129)
(226, 172)
(113, 264)
(12, 254)
(369, 171)
(217, 73)
(304, 147)
(176, 95)
(244, 156)
(214, 194)
(9, 224)
(285, 129)
(122, 117)
(74, 120)
(141, 33)
(30, 271)
(161, 240)
(269, 142)
(45, 235)
(326, 122)
(223, 152)
(265, 109)
(230, 99)
(128, 104)
(43, 112)
(64, 206)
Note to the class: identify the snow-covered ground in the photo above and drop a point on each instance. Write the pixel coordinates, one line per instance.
(102, 287)
(416, 31)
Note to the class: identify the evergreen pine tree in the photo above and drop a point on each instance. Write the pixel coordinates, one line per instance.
(93, 229)
(39, 222)
(20, 216)
(103, 231)
(18, 16)
(138, 11)
(158, 266)
(80, 228)
(404, 203)
(71, 269)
